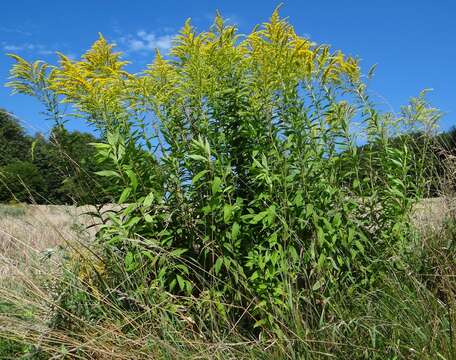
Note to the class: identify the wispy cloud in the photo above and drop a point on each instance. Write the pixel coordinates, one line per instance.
(144, 42)
(12, 48)
(27, 47)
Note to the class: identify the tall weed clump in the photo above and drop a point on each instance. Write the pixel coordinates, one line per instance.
(246, 203)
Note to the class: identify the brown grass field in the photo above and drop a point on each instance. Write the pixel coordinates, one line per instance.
(40, 229)
(31, 237)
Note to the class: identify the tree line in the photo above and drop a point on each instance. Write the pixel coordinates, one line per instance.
(58, 169)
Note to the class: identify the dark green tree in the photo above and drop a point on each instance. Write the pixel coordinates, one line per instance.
(21, 181)
(68, 163)
(58, 169)
(13, 140)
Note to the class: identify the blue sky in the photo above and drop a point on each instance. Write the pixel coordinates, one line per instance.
(413, 42)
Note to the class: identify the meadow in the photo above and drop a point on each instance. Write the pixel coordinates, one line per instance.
(265, 207)
(33, 238)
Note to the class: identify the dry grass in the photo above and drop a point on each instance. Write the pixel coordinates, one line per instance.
(30, 231)
(430, 214)
(39, 228)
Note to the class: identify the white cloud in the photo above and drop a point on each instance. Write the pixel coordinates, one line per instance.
(146, 42)
(12, 48)
(27, 47)
(46, 52)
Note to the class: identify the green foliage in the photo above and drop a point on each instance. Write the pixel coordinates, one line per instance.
(20, 180)
(13, 140)
(61, 167)
(67, 162)
(245, 201)
(12, 347)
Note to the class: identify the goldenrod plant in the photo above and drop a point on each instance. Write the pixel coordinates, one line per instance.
(248, 213)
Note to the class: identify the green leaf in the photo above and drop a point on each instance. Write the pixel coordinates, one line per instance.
(129, 265)
(172, 284)
(177, 252)
(133, 221)
(260, 323)
(318, 284)
(189, 287)
(108, 173)
(321, 260)
(32, 150)
(183, 268)
(112, 138)
(273, 240)
(133, 179)
(320, 235)
(309, 210)
(359, 246)
(100, 146)
(293, 253)
(218, 265)
(181, 282)
(351, 234)
(197, 157)
(216, 185)
(235, 230)
(125, 194)
(148, 200)
(227, 262)
(199, 176)
(227, 212)
(130, 208)
(258, 217)
(271, 214)
(298, 200)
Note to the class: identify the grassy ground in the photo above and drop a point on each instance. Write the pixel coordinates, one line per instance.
(32, 239)
(37, 230)
(26, 229)
(413, 319)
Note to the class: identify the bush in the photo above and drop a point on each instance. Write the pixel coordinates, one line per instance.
(245, 202)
